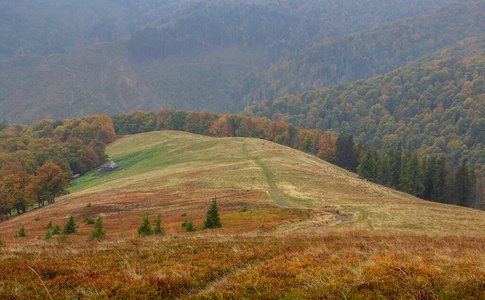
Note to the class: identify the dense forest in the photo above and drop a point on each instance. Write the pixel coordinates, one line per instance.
(367, 53)
(435, 108)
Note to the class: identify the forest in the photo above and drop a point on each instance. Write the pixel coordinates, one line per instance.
(38, 161)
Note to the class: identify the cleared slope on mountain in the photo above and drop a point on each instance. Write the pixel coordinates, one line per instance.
(172, 173)
(100, 78)
(289, 243)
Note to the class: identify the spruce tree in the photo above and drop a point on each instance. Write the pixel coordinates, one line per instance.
(368, 165)
(395, 160)
(21, 233)
(70, 226)
(159, 230)
(384, 172)
(98, 231)
(145, 228)
(189, 226)
(344, 152)
(56, 230)
(49, 225)
(212, 218)
(48, 235)
(464, 183)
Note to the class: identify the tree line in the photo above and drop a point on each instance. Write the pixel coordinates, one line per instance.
(37, 162)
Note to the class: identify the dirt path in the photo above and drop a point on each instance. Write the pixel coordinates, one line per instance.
(274, 192)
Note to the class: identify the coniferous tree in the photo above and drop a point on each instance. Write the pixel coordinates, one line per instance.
(159, 230)
(411, 175)
(463, 184)
(395, 160)
(344, 152)
(189, 226)
(48, 235)
(21, 233)
(439, 181)
(70, 226)
(98, 232)
(384, 172)
(56, 230)
(212, 218)
(368, 165)
(145, 228)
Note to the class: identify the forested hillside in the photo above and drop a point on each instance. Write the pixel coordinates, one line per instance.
(203, 55)
(435, 108)
(368, 53)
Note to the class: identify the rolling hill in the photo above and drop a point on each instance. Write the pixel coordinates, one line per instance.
(303, 218)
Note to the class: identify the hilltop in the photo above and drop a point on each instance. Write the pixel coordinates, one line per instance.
(173, 172)
(301, 214)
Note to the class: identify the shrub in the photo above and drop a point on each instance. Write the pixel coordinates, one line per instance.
(49, 226)
(184, 214)
(89, 204)
(212, 218)
(48, 235)
(244, 209)
(159, 230)
(145, 228)
(21, 233)
(88, 220)
(189, 226)
(56, 230)
(98, 232)
(70, 226)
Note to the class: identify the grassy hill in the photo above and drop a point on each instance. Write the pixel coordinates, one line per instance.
(310, 229)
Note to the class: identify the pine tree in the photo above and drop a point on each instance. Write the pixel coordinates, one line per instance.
(145, 228)
(368, 165)
(212, 218)
(21, 233)
(344, 152)
(159, 230)
(384, 172)
(395, 160)
(189, 226)
(98, 232)
(70, 226)
(463, 184)
(48, 235)
(56, 230)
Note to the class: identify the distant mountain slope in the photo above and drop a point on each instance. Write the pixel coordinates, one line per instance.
(436, 108)
(43, 27)
(178, 63)
(369, 53)
(100, 78)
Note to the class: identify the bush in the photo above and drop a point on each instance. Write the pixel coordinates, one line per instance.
(145, 228)
(159, 230)
(88, 220)
(56, 230)
(189, 226)
(21, 233)
(98, 232)
(49, 226)
(48, 235)
(70, 226)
